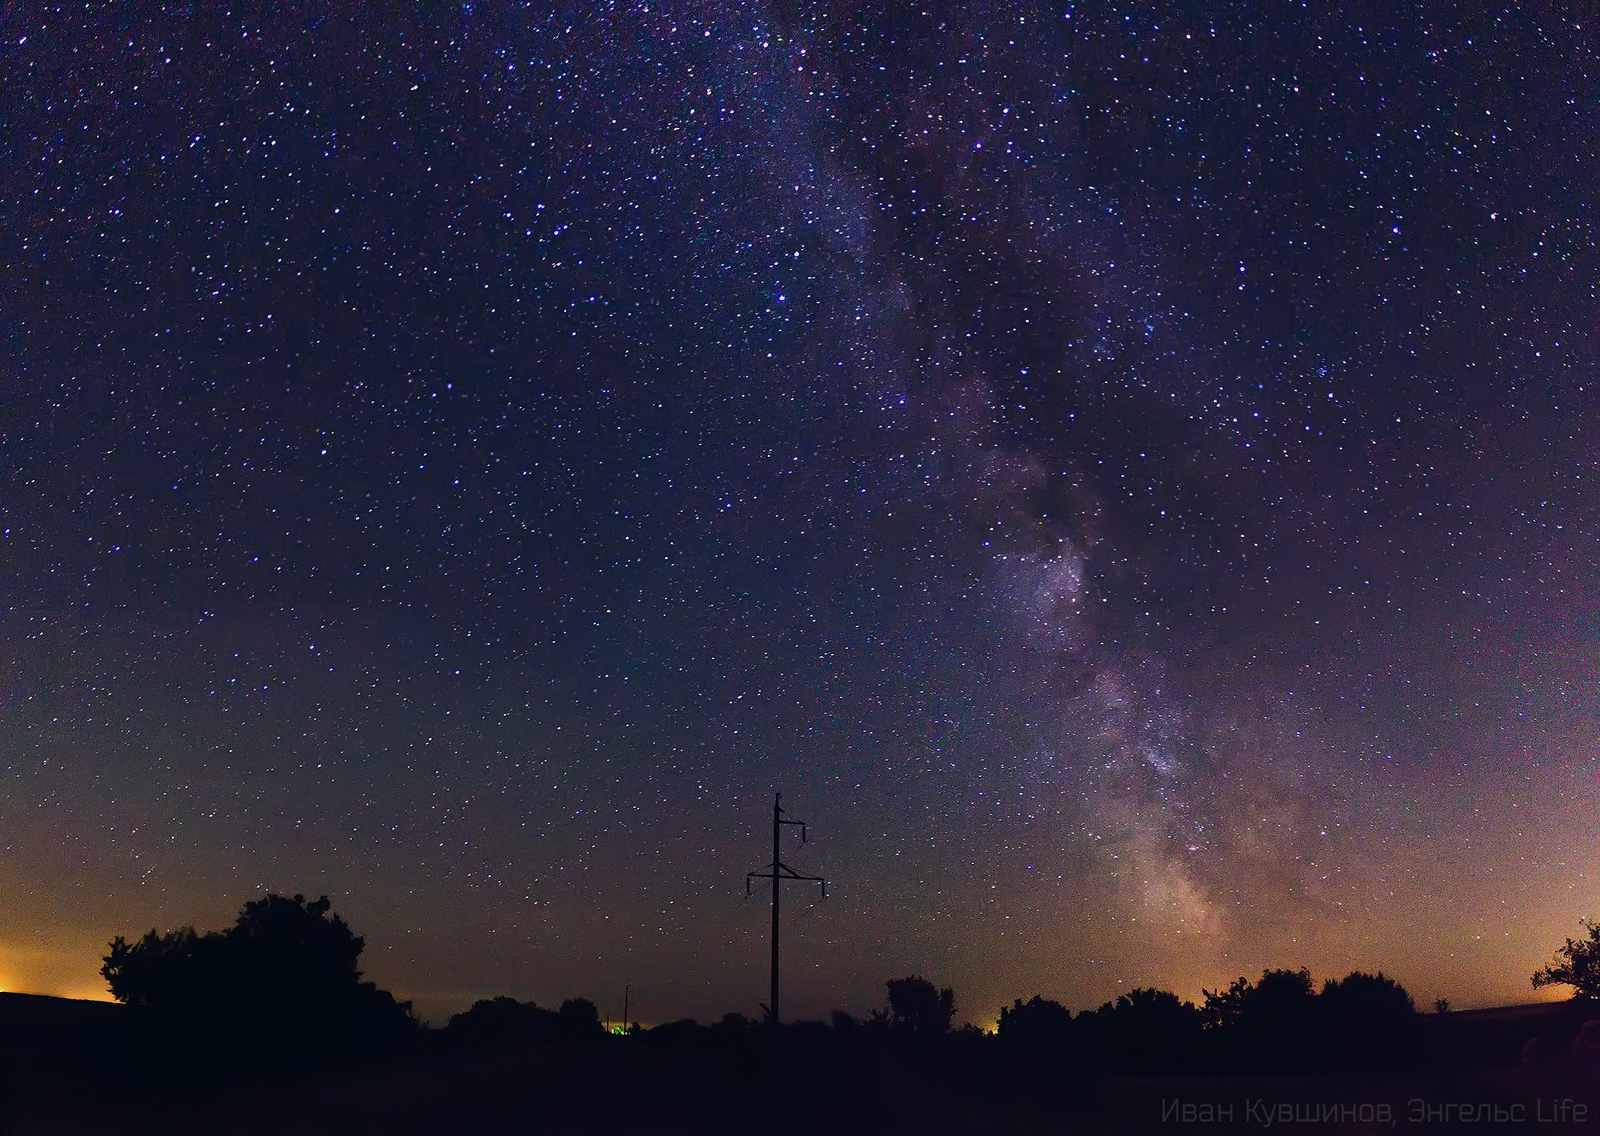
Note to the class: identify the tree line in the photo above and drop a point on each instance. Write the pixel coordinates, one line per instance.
(1279, 1023)
(283, 986)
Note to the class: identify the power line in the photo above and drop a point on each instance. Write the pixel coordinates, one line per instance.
(776, 871)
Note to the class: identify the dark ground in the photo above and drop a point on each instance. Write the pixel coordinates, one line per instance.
(73, 1067)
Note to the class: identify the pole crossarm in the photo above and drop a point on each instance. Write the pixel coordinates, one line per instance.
(784, 873)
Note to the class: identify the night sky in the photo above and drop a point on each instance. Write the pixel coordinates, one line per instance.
(1128, 474)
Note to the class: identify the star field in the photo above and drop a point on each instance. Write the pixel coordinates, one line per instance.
(1128, 475)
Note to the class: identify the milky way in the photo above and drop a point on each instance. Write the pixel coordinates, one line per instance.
(1127, 476)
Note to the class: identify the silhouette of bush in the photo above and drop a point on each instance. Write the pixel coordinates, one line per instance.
(179, 971)
(1281, 1024)
(580, 1019)
(280, 986)
(915, 1004)
(1223, 1008)
(1038, 1024)
(503, 1021)
(1281, 1020)
(1144, 1030)
(1577, 964)
(1368, 1021)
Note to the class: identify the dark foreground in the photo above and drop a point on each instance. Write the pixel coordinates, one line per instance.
(68, 1068)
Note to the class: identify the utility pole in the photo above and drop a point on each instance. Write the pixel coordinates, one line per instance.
(775, 872)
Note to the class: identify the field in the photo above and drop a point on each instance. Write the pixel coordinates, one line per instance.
(73, 1067)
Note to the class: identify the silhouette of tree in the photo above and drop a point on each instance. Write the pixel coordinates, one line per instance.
(1373, 998)
(1037, 1024)
(916, 1004)
(1271, 1024)
(580, 1018)
(1280, 996)
(1368, 1021)
(1144, 1030)
(1223, 1008)
(1577, 964)
(503, 1021)
(179, 970)
(281, 982)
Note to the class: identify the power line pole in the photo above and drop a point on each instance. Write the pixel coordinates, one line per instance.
(775, 872)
